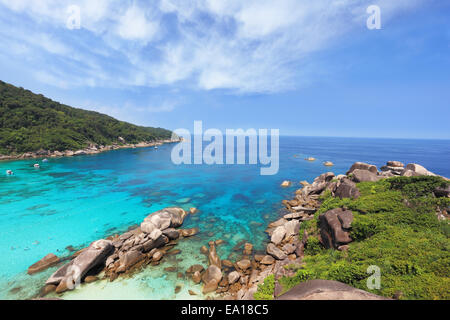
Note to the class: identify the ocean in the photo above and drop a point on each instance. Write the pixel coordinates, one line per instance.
(74, 201)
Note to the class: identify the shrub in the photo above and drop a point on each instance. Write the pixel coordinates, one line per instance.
(266, 289)
(347, 272)
(364, 227)
(313, 246)
(300, 276)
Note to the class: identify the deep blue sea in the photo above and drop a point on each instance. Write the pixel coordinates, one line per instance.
(73, 201)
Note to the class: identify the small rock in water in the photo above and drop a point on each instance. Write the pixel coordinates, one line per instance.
(189, 232)
(195, 268)
(227, 263)
(157, 255)
(174, 252)
(233, 277)
(177, 289)
(47, 289)
(286, 184)
(170, 269)
(197, 277)
(43, 264)
(328, 164)
(248, 247)
(15, 290)
(304, 183)
(192, 293)
(267, 260)
(244, 264)
(90, 279)
(184, 200)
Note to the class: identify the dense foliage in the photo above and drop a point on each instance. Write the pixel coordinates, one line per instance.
(395, 227)
(265, 290)
(31, 122)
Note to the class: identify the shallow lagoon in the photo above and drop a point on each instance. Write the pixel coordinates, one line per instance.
(74, 201)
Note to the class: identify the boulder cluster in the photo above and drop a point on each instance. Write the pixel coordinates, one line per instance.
(119, 254)
(240, 279)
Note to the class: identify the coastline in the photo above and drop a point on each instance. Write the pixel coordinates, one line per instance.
(246, 267)
(91, 150)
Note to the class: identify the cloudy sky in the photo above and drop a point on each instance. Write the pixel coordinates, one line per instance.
(305, 67)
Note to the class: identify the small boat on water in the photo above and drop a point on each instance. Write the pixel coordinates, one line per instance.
(45, 160)
(36, 165)
(9, 172)
(156, 147)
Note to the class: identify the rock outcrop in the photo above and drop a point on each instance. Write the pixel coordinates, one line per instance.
(123, 253)
(327, 290)
(346, 189)
(418, 169)
(72, 273)
(362, 166)
(359, 175)
(48, 261)
(335, 227)
(211, 279)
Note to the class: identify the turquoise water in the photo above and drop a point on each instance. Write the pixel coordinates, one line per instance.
(73, 201)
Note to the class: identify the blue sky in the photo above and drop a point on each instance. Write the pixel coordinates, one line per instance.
(305, 67)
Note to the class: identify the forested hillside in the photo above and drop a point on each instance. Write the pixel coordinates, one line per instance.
(31, 122)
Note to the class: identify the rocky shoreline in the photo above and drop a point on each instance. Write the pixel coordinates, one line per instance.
(90, 150)
(158, 235)
(285, 250)
(118, 255)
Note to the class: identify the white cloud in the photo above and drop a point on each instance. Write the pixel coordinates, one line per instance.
(134, 25)
(244, 46)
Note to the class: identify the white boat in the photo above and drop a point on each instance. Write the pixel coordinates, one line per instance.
(45, 160)
(9, 172)
(37, 165)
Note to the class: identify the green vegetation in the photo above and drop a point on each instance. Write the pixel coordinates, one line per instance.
(395, 227)
(265, 290)
(31, 122)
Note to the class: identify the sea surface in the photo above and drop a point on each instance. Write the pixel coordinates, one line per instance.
(74, 201)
